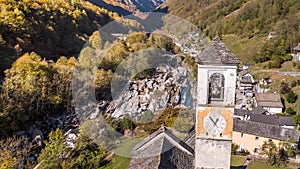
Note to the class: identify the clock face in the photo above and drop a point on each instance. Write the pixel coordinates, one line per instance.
(214, 124)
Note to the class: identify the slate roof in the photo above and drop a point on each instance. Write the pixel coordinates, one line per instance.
(286, 121)
(240, 112)
(265, 130)
(243, 72)
(216, 53)
(258, 110)
(265, 119)
(268, 100)
(162, 150)
(190, 139)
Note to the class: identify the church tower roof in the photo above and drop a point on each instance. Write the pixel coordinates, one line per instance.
(216, 53)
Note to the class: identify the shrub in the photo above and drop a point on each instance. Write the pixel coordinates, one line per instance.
(285, 88)
(234, 148)
(291, 97)
(290, 111)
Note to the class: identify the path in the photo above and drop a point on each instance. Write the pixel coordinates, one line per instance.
(297, 74)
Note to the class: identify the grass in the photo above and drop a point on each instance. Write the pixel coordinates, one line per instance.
(237, 160)
(122, 155)
(117, 162)
(258, 164)
(244, 48)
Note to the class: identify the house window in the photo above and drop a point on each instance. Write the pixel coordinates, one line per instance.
(216, 87)
(256, 150)
(256, 138)
(242, 134)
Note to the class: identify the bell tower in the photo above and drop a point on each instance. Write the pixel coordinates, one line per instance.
(215, 106)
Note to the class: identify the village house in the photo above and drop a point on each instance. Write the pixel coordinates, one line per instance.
(296, 53)
(260, 115)
(270, 102)
(247, 66)
(262, 85)
(250, 135)
(246, 81)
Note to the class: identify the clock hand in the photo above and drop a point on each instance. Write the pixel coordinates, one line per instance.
(215, 123)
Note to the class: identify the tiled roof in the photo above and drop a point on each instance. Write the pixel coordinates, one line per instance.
(216, 53)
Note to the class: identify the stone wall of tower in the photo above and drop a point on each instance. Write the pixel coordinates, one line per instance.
(216, 152)
(212, 154)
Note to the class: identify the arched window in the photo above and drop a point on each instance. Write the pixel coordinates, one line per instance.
(216, 87)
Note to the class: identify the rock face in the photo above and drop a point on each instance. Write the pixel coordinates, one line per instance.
(168, 87)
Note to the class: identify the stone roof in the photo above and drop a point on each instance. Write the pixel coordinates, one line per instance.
(162, 150)
(265, 130)
(268, 100)
(216, 53)
(243, 72)
(190, 139)
(240, 112)
(286, 121)
(265, 119)
(258, 110)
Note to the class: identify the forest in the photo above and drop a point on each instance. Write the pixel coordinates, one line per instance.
(42, 43)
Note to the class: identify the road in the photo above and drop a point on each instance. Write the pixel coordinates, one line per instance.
(297, 74)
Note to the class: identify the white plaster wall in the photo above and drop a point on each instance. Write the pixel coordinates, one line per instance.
(273, 110)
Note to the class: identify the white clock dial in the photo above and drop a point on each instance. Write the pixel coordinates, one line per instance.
(214, 124)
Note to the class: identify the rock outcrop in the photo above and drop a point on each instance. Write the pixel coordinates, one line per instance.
(168, 87)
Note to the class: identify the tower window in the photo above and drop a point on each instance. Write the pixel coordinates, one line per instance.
(256, 138)
(216, 87)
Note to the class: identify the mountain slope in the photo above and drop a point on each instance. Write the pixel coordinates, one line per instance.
(126, 7)
(49, 28)
(243, 18)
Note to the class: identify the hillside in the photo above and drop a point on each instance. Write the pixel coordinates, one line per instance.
(49, 28)
(127, 7)
(245, 19)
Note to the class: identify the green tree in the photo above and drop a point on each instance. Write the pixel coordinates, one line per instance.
(234, 148)
(270, 149)
(147, 116)
(290, 111)
(291, 97)
(86, 154)
(55, 151)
